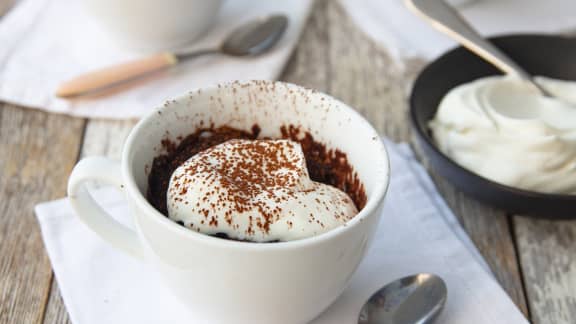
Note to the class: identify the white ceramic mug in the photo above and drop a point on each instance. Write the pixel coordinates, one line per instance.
(228, 281)
(154, 24)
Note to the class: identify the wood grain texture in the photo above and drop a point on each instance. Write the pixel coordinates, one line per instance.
(548, 259)
(55, 309)
(38, 152)
(548, 262)
(105, 138)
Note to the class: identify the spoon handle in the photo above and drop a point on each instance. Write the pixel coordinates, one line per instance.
(115, 74)
(447, 20)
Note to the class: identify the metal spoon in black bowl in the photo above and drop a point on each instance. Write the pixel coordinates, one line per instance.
(447, 20)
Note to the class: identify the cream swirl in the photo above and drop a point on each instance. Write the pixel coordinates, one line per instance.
(502, 129)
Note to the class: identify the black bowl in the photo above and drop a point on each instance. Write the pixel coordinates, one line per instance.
(552, 56)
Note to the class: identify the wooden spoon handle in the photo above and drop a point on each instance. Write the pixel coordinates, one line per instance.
(114, 74)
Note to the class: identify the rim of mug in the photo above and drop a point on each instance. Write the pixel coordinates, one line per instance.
(133, 192)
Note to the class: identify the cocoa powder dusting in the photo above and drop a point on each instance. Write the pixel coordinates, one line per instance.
(176, 154)
(247, 169)
(328, 166)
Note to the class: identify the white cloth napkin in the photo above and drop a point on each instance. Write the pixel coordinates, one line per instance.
(45, 42)
(405, 35)
(418, 233)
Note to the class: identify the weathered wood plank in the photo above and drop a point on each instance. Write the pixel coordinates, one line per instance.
(55, 310)
(308, 64)
(548, 263)
(364, 76)
(548, 260)
(105, 137)
(38, 152)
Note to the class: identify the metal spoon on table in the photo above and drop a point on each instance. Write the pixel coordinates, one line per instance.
(447, 20)
(416, 299)
(253, 38)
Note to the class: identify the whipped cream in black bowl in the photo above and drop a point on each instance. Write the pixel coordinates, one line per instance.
(466, 153)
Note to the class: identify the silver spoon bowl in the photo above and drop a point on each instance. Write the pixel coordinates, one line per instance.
(253, 38)
(416, 299)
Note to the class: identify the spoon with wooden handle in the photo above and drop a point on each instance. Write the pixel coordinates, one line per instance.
(253, 38)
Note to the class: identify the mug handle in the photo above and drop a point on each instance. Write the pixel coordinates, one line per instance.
(90, 213)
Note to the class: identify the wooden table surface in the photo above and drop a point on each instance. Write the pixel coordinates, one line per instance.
(534, 260)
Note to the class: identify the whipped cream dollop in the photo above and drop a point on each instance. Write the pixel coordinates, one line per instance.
(504, 130)
(256, 190)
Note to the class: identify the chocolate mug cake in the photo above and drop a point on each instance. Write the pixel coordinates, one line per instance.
(208, 137)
